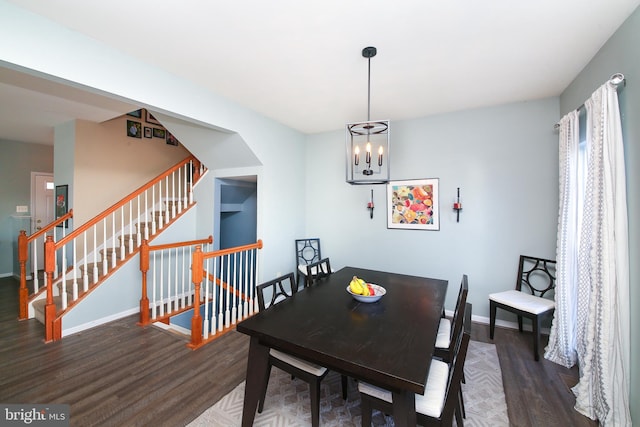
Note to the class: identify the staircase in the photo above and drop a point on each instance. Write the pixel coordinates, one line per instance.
(77, 263)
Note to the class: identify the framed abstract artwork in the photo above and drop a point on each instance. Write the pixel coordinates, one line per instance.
(62, 205)
(413, 204)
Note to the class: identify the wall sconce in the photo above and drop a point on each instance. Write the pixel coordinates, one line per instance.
(457, 206)
(370, 204)
(369, 139)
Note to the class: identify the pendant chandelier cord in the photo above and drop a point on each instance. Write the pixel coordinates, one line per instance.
(369, 92)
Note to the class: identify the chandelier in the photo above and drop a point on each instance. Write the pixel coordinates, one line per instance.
(367, 143)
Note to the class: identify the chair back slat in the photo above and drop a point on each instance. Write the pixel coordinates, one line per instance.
(455, 377)
(276, 290)
(458, 313)
(317, 271)
(538, 275)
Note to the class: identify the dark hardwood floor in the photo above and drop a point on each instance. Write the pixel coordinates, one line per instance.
(120, 374)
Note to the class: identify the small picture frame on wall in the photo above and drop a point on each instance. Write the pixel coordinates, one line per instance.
(413, 204)
(172, 140)
(159, 133)
(147, 132)
(150, 119)
(134, 129)
(62, 203)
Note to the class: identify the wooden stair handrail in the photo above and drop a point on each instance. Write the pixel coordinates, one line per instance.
(198, 274)
(144, 268)
(23, 257)
(76, 232)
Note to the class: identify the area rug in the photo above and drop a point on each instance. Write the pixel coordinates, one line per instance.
(287, 401)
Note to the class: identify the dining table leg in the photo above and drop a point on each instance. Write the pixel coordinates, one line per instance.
(257, 370)
(404, 408)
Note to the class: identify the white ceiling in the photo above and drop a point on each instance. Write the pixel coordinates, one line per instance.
(300, 62)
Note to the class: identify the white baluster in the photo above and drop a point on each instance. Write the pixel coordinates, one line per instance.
(146, 216)
(220, 280)
(130, 227)
(191, 182)
(179, 173)
(173, 194)
(138, 225)
(227, 312)
(154, 224)
(64, 295)
(161, 284)
(75, 270)
(154, 305)
(205, 325)
(168, 217)
(114, 248)
(85, 271)
(105, 254)
(34, 265)
(234, 293)
(186, 186)
(95, 262)
(122, 235)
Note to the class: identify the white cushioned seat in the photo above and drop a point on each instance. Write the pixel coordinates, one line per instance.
(312, 368)
(431, 402)
(443, 340)
(522, 301)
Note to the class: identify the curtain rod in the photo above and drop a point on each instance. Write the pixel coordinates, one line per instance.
(615, 80)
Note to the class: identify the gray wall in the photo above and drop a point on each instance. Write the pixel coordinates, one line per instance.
(17, 162)
(505, 161)
(620, 55)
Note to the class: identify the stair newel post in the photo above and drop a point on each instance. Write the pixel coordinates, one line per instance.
(50, 307)
(144, 268)
(197, 273)
(23, 255)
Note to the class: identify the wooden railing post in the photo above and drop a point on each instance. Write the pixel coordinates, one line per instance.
(50, 307)
(197, 272)
(23, 256)
(144, 268)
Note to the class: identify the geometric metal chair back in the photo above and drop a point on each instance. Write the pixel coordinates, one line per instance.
(536, 275)
(307, 252)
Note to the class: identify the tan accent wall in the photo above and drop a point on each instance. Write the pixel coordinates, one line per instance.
(109, 164)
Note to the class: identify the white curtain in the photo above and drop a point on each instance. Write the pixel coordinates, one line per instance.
(593, 263)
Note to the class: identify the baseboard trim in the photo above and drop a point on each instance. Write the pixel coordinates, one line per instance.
(98, 322)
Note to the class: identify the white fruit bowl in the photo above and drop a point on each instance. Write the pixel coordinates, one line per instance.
(379, 292)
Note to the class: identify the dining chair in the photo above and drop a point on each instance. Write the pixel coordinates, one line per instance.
(275, 291)
(538, 276)
(438, 405)
(450, 329)
(317, 271)
(307, 252)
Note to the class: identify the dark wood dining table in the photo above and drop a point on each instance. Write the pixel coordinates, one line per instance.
(388, 343)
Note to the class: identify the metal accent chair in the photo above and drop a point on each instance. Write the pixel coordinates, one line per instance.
(317, 271)
(538, 274)
(440, 402)
(307, 252)
(275, 291)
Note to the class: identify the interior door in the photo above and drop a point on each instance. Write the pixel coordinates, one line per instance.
(42, 207)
